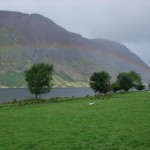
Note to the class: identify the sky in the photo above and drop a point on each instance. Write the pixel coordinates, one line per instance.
(123, 21)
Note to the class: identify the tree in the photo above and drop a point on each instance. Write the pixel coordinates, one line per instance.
(140, 87)
(100, 82)
(128, 80)
(149, 85)
(136, 78)
(115, 87)
(39, 78)
(124, 81)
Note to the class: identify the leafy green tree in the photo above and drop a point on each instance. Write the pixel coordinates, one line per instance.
(136, 78)
(124, 81)
(140, 87)
(100, 82)
(39, 78)
(149, 85)
(115, 87)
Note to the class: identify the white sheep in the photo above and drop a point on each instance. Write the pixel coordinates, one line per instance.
(92, 103)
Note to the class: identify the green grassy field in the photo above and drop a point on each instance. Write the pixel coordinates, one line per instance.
(118, 122)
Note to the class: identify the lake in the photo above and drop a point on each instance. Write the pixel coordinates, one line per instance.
(21, 93)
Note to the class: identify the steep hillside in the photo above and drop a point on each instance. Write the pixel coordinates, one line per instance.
(26, 39)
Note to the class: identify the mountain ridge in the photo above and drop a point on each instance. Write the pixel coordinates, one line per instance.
(26, 39)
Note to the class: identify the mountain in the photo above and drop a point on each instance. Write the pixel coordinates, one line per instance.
(26, 39)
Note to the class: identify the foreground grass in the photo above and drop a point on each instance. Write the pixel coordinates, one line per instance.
(118, 122)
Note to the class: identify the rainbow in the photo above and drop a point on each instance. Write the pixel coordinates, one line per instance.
(133, 63)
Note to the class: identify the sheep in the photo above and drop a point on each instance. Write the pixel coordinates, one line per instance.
(92, 103)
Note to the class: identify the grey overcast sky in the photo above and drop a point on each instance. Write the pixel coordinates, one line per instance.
(124, 21)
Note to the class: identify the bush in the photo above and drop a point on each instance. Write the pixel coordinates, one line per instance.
(140, 87)
(115, 87)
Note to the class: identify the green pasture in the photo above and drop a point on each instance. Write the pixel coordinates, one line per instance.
(114, 122)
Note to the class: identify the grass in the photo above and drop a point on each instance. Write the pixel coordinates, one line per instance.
(118, 122)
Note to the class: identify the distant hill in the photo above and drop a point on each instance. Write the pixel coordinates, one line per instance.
(27, 39)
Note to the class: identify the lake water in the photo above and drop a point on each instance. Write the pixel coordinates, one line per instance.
(20, 94)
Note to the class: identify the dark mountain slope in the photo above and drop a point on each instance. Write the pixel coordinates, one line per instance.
(26, 39)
